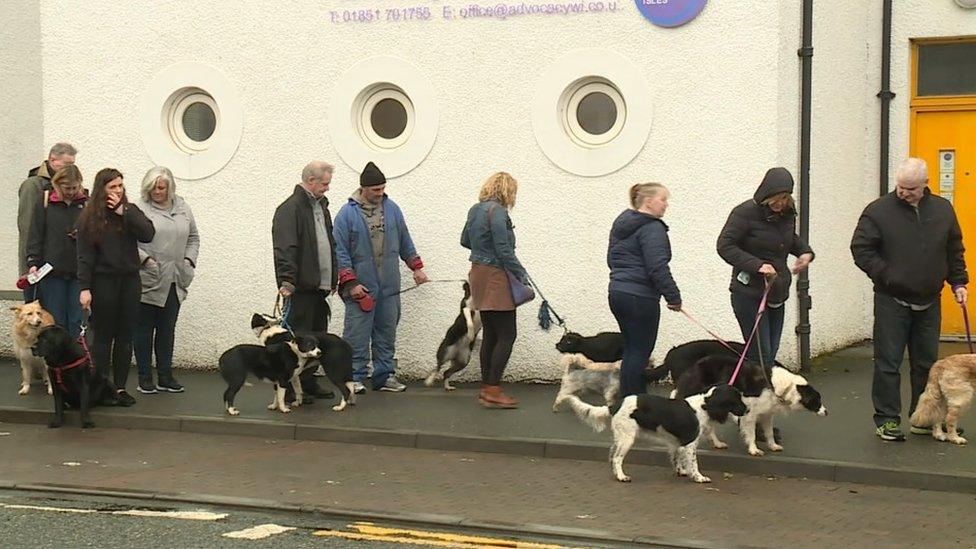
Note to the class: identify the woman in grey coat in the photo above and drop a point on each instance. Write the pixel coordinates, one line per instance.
(168, 264)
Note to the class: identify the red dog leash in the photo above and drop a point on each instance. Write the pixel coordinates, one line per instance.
(84, 359)
(711, 333)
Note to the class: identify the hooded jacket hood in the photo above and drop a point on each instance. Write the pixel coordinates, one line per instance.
(776, 180)
(628, 223)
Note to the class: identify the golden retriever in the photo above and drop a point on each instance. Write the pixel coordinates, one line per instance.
(948, 393)
(28, 321)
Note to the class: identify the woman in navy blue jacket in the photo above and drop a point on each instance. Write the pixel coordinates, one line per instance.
(638, 258)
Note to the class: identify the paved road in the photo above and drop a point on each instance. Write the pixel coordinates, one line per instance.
(40, 521)
(509, 490)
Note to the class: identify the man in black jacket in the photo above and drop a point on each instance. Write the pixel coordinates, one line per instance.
(304, 256)
(909, 243)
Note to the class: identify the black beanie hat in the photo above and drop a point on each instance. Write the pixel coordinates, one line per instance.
(371, 176)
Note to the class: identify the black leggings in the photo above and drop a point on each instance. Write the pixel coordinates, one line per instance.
(496, 344)
(115, 315)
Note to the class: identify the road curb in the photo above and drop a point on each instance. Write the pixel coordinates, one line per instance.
(769, 466)
(420, 519)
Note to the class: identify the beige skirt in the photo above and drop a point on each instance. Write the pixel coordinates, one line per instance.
(489, 288)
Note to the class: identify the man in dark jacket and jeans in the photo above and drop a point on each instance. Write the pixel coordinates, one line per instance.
(304, 256)
(909, 243)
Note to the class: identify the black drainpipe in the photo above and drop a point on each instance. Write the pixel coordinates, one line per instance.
(803, 283)
(885, 95)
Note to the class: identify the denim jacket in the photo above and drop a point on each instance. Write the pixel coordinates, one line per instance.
(492, 242)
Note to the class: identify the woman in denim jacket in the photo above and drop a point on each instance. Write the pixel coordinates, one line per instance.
(489, 235)
(168, 265)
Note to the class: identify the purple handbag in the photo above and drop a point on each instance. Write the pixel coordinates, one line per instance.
(521, 293)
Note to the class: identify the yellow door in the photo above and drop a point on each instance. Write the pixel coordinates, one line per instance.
(946, 140)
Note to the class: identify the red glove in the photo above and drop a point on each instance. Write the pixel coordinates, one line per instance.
(22, 283)
(366, 303)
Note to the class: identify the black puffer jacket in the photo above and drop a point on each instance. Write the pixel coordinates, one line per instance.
(296, 253)
(754, 235)
(909, 254)
(638, 257)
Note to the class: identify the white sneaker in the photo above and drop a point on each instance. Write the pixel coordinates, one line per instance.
(393, 385)
(358, 388)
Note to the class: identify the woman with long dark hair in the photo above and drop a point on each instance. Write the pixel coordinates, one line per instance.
(489, 235)
(108, 270)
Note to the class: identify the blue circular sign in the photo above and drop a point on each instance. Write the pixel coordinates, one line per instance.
(670, 13)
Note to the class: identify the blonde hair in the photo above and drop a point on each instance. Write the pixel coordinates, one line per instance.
(642, 191)
(500, 186)
(67, 174)
(790, 203)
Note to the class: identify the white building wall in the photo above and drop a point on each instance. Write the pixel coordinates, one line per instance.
(21, 125)
(725, 92)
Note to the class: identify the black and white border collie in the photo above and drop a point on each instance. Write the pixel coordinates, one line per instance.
(458, 343)
(280, 359)
(679, 424)
(336, 361)
(766, 393)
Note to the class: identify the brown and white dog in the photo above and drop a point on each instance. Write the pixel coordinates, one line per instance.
(29, 319)
(952, 382)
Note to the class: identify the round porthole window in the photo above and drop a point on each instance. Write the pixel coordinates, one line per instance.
(595, 112)
(193, 118)
(386, 117)
(383, 110)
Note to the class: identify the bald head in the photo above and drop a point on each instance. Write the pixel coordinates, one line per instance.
(316, 177)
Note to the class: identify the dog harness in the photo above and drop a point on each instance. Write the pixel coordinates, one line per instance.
(81, 361)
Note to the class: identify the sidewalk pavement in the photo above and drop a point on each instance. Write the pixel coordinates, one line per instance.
(841, 447)
(520, 495)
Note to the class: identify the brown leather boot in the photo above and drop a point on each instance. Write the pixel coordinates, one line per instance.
(495, 398)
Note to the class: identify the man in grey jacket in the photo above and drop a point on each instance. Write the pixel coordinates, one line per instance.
(32, 195)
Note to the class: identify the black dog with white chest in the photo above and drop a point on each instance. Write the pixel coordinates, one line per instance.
(458, 343)
(602, 347)
(75, 382)
(336, 361)
(280, 359)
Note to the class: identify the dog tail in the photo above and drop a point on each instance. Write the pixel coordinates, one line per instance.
(929, 410)
(597, 417)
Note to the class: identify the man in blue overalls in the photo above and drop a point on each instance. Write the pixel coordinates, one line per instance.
(371, 237)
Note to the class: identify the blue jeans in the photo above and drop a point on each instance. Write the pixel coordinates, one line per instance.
(639, 319)
(157, 331)
(897, 327)
(60, 297)
(372, 331)
(770, 327)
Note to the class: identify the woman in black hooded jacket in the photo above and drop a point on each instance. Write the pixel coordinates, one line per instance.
(756, 240)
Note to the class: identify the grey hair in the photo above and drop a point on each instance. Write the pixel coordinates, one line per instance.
(912, 169)
(316, 170)
(61, 149)
(154, 175)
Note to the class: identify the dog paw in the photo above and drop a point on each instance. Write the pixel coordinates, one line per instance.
(957, 440)
(54, 424)
(50, 390)
(940, 436)
(24, 389)
(233, 411)
(339, 407)
(431, 380)
(448, 386)
(701, 479)
(285, 410)
(273, 406)
(719, 445)
(775, 447)
(623, 478)
(756, 452)
(87, 424)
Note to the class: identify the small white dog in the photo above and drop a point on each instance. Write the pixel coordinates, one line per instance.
(29, 319)
(581, 375)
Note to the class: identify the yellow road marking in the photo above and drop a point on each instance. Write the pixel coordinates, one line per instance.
(366, 531)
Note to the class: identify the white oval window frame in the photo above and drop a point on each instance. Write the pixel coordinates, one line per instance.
(363, 81)
(550, 120)
(573, 97)
(175, 84)
(372, 98)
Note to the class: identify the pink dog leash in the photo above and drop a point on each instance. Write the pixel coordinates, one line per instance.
(965, 320)
(755, 329)
(711, 333)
